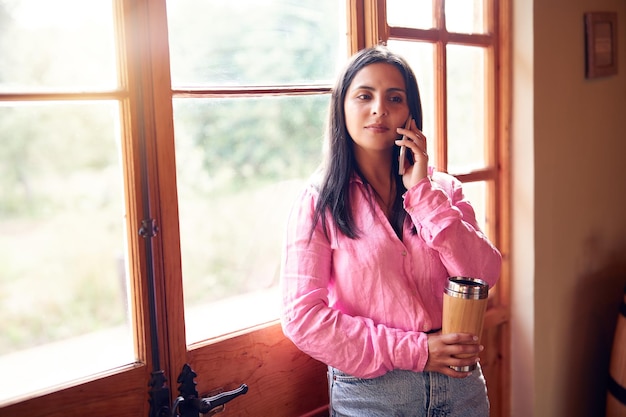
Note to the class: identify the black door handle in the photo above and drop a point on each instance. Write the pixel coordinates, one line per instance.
(188, 403)
(204, 405)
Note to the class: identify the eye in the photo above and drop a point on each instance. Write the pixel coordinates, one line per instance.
(396, 99)
(363, 96)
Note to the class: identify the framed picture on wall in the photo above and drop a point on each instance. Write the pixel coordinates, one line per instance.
(600, 44)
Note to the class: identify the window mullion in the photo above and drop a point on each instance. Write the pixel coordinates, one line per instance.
(439, 15)
(147, 131)
(163, 189)
(367, 24)
(441, 105)
(132, 177)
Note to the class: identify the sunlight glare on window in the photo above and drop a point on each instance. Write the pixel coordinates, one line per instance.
(476, 194)
(63, 282)
(416, 14)
(465, 16)
(248, 42)
(63, 274)
(467, 108)
(54, 45)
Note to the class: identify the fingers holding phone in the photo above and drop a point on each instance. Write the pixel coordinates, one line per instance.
(403, 149)
(413, 160)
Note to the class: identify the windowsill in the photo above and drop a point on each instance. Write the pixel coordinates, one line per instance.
(231, 315)
(42, 368)
(47, 366)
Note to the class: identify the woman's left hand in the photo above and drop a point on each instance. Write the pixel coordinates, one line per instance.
(442, 351)
(416, 142)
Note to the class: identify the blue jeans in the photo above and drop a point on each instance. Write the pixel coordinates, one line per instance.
(408, 394)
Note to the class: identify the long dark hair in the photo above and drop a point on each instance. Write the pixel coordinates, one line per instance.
(339, 161)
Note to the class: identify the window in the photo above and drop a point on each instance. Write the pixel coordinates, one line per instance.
(454, 71)
(143, 198)
(249, 110)
(456, 49)
(63, 287)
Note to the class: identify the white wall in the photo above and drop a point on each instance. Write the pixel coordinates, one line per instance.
(523, 212)
(569, 210)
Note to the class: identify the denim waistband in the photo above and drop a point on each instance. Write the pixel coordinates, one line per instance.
(408, 394)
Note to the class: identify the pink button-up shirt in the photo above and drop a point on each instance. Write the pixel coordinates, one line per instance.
(364, 305)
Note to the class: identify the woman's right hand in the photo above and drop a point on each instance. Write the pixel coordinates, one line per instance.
(442, 349)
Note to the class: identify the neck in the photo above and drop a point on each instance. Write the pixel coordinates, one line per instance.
(375, 167)
(383, 186)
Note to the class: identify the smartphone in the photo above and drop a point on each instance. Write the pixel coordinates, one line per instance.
(402, 158)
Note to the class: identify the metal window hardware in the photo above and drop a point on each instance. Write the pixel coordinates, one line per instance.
(189, 404)
(148, 228)
(159, 395)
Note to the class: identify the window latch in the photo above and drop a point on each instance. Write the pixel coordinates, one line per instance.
(148, 228)
(189, 404)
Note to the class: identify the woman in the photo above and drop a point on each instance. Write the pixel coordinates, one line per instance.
(368, 252)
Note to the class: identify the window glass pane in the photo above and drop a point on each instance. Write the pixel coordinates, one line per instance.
(416, 14)
(420, 56)
(465, 16)
(63, 281)
(467, 108)
(240, 163)
(249, 42)
(52, 45)
(476, 194)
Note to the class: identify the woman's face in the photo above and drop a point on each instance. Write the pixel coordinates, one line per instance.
(375, 105)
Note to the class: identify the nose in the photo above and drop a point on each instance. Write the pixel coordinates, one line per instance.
(379, 107)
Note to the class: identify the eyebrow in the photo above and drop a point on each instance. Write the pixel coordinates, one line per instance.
(392, 89)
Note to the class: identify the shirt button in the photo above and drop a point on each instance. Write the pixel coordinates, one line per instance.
(403, 253)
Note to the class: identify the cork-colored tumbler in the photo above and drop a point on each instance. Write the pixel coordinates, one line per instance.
(464, 306)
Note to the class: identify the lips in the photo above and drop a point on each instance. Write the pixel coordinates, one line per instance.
(377, 128)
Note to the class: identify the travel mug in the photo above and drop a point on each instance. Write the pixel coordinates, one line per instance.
(464, 306)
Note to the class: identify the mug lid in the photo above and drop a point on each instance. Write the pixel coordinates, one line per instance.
(465, 287)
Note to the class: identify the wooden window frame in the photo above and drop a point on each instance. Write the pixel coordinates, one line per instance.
(368, 20)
